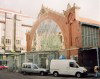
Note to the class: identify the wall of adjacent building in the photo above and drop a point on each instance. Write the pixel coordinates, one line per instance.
(90, 36)
(22, 24)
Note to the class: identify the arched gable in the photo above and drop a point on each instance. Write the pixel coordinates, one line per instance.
(67, 23)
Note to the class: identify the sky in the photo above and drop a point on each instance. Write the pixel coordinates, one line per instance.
(88, 8)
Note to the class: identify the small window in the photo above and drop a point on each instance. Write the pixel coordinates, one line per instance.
(28, 66)
(35, 67)
(8, 41)
(72, 64)
(18, 42)
(24, 66)
(2, 39)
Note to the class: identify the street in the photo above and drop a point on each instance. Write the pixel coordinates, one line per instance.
(4, 74)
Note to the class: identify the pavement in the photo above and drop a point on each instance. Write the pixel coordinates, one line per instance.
(5, 74)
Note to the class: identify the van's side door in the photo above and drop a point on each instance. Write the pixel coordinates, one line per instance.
(64, 69)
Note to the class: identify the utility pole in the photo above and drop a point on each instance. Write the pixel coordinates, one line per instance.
(14, 32)
(4, 41)
(4, 38)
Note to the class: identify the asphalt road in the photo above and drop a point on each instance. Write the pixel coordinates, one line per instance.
(4, 74)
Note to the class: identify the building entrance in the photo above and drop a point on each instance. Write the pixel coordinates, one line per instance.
(88, 58)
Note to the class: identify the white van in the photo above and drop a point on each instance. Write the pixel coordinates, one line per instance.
(67, 67)
(33, 68)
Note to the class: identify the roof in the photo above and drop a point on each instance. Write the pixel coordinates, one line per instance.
(27, 63)
(14, 12)
(89, 21)
(63, 60)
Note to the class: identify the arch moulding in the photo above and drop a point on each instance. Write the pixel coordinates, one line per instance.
(68, 24)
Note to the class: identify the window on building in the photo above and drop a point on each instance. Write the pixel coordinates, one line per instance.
(2, 40)
(8, 41)
(18, 41)
(28, 66)
(2, 16)
(9, 16)
(90, 36)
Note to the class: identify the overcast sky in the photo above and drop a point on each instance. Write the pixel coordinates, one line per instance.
(88, 8)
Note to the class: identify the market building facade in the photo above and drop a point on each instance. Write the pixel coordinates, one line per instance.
(79, 35)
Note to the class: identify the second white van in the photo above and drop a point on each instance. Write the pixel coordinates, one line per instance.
(67, 67)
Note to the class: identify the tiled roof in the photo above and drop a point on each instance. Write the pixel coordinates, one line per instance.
(90, 21)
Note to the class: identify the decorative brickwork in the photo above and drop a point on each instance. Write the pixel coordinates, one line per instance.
(68, 24)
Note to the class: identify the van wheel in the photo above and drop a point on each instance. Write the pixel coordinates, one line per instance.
(24, 73)
(55, 74)
(78, 75)
(42, 73)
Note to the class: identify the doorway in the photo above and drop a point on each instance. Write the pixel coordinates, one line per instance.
(88, 59)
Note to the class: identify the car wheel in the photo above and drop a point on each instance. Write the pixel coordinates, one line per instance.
(24, 73)
(55, 74)
(78, 75)
(42, 73)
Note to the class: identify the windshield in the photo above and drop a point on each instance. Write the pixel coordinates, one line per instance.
(77, 65)
(35, 67)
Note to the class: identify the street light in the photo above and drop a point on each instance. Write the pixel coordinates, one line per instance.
(97, 51)
(97, 55)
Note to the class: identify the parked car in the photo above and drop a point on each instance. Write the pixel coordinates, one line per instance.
(33, 68)
(5, 67)
(67, 67)
(1, 67)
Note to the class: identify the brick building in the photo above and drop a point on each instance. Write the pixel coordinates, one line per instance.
(80, 35)
(89, 54)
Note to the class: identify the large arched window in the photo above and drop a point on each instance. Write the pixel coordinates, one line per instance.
(48, 36)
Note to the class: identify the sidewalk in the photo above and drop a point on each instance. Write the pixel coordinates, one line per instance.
(91, 74)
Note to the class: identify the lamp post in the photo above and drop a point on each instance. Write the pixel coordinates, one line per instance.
(97, 50)
(4, 42)
(15, 32)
